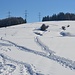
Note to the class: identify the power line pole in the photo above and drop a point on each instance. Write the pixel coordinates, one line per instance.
(26, 15)
(39, 16)
(9, 14)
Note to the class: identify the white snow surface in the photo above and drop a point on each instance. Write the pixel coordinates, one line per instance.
(26, 50)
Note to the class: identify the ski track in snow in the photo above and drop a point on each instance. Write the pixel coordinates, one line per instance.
(48, 54)
(61, 60)
(27, 66)
(44, 47)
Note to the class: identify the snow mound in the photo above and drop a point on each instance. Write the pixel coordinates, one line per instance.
(66, 34)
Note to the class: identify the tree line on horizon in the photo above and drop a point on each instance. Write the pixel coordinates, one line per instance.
(59, 17)
(12, 21)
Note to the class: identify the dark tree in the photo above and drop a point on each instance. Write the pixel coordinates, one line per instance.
(46, 18)
(59, 17)
(11, 21)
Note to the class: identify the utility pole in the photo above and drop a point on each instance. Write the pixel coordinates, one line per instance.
(39, 16)
(9, 14)
(26, 15)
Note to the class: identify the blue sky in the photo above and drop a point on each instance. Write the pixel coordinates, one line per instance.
(33, 7)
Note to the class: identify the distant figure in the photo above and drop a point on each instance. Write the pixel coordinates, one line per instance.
(68, 25)
(63, 28)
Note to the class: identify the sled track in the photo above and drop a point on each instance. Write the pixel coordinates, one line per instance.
(65, 62)
(44, 47)
(27, 66)
(61, 60)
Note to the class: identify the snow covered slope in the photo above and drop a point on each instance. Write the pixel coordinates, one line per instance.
(26, 50)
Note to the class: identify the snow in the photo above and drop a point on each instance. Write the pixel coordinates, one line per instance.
(26, 50)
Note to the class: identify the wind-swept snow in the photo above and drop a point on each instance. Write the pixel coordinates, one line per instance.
(25, 50)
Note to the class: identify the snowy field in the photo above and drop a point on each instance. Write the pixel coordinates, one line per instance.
(26, 50)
